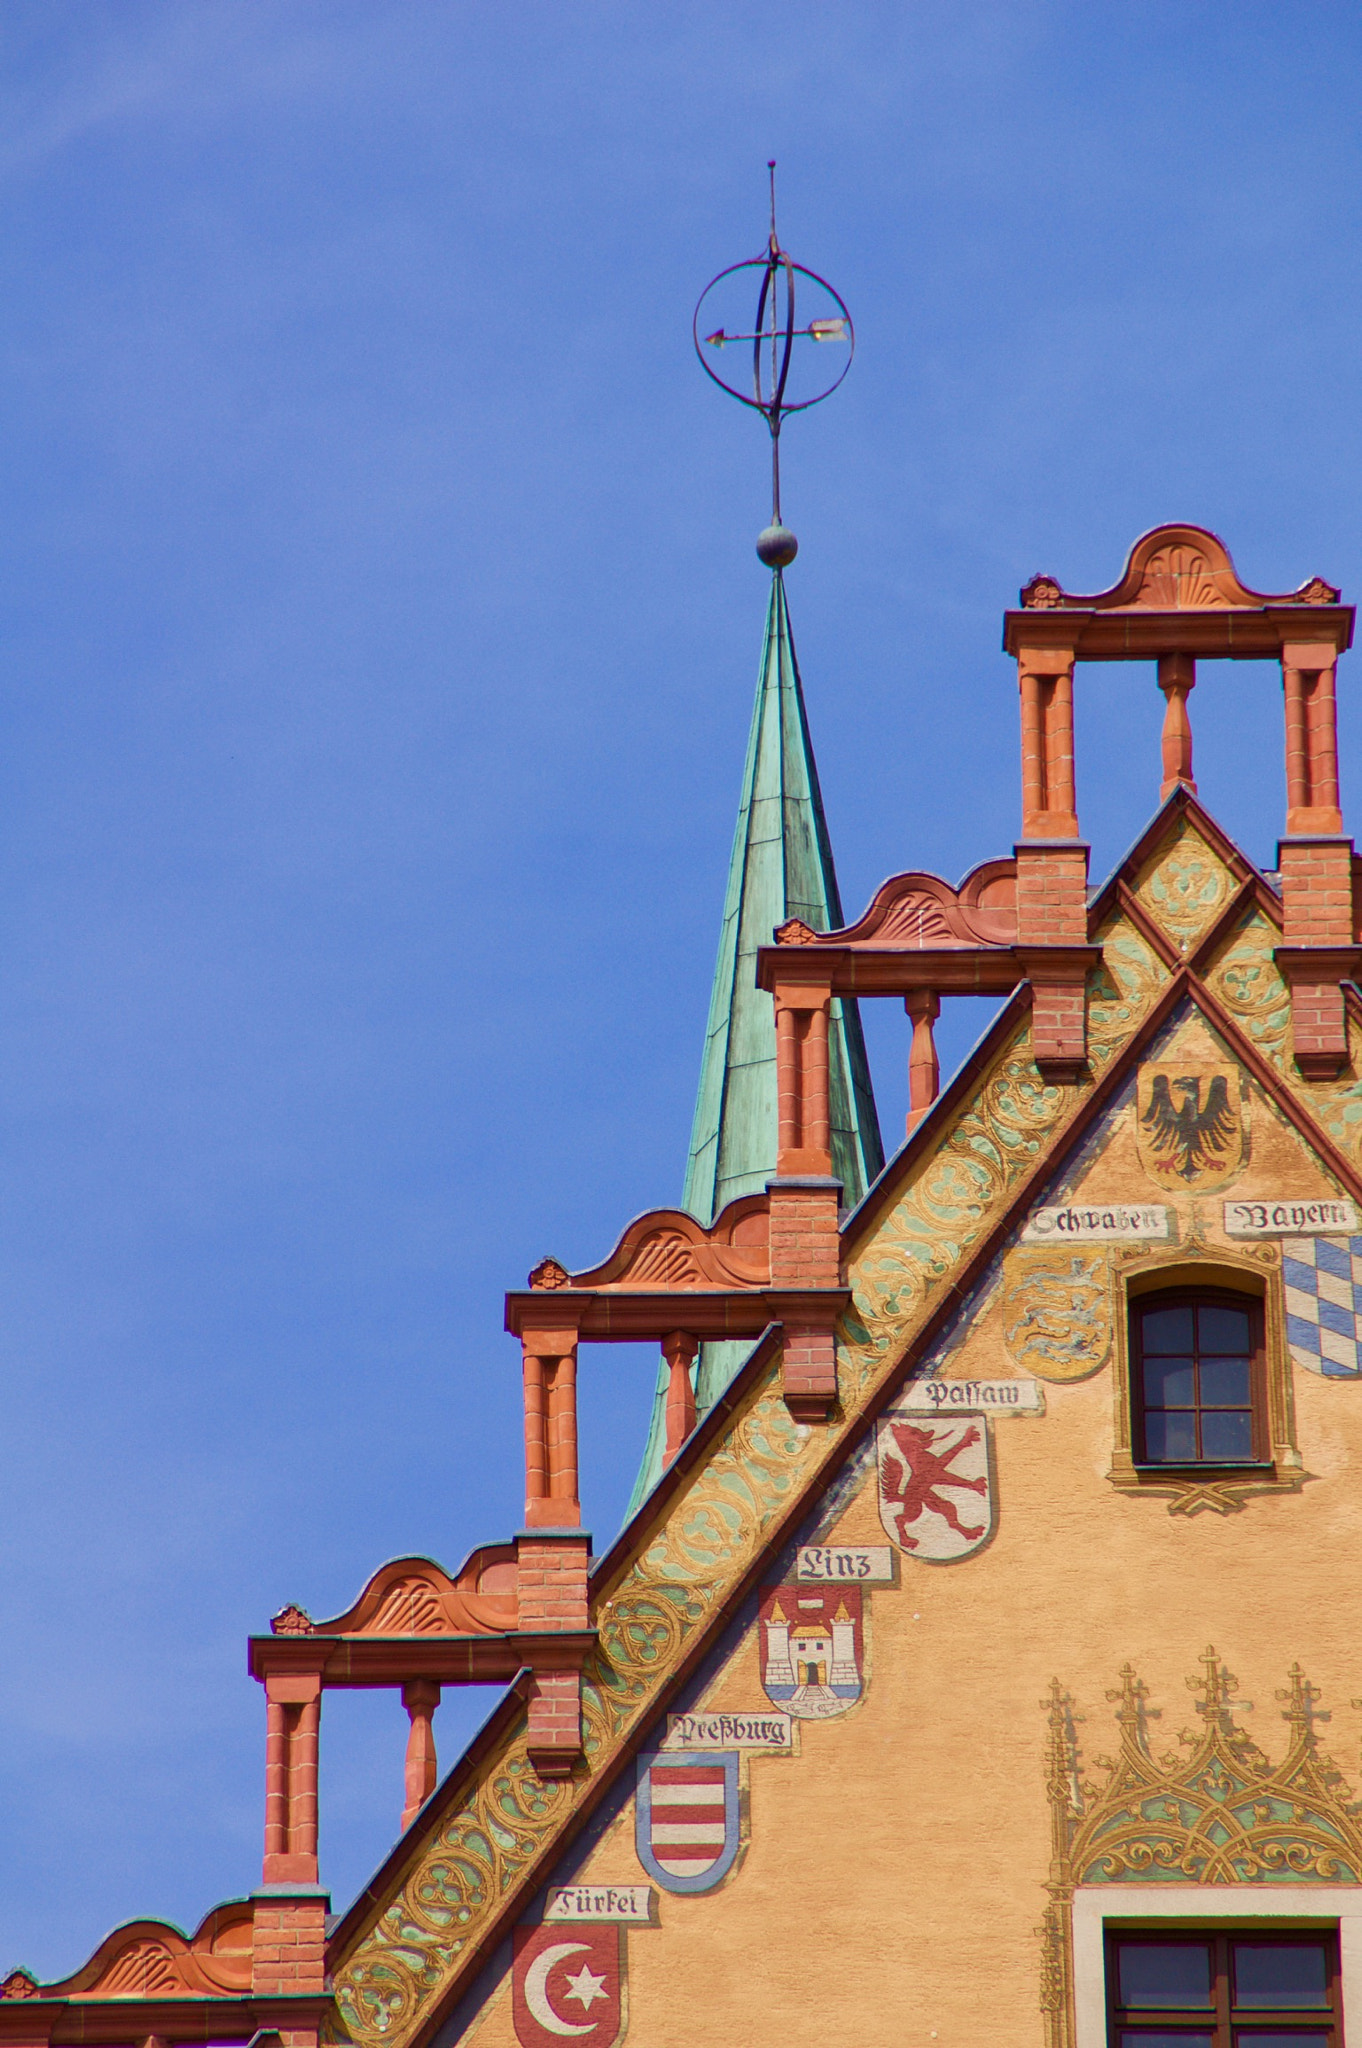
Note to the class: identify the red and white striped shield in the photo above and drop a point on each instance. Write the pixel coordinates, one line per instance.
(686, 1818)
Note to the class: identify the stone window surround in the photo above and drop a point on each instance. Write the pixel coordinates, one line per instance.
(1098, 1907)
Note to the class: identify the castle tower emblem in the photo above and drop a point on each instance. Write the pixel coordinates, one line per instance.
(811, 1648)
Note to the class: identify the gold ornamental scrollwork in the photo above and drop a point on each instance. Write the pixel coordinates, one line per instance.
(1216, 1811)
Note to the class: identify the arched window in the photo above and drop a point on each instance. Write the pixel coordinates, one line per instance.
(1197, 1378)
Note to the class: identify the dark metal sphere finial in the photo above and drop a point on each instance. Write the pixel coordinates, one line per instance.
(777, 546)
(773, 337)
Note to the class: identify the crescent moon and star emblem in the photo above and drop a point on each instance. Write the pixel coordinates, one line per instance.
(567, 1989)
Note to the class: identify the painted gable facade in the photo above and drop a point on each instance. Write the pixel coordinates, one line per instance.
(941, 1649)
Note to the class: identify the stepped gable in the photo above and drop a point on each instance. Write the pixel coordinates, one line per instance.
(1188, 961)
(1176, 927)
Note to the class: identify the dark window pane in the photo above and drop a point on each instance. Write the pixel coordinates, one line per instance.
(1170, 1383)
(1280, 1973)
(1225, 1382)
(1159, 2037)
(1167, 1329)
(1173, 1975)
(1222, 1329)
(1253, 2037)
(1169, 1439)
(1226, 1435)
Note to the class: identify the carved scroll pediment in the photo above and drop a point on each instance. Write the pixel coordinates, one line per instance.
(668, 1251)
(151, 1959)
(19, 1984)
(414, 1596)
(920, 912)
(1174, 569)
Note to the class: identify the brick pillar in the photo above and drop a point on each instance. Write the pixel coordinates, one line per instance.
(809, 1370)
(806, 1244)
(288, 1953)
(552, 1592)
(293, 1709)
(1318, 952)
(1052, 931)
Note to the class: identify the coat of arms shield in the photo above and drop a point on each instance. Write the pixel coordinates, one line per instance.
(686, 1818)
(811, 1648)
(1057, 1311)
(1190, 1123)
(935, 1484)
(567, 1983)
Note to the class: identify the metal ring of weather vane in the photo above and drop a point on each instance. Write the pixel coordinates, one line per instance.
(775, 337)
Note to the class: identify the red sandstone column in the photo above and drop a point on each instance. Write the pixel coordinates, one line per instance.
(1045, 678)
(550, 1357)
(1177, 678)
(1318, 952)
(563, 1435)
(787, 1078)
(276, 1779)
(679, 1349)
(1311, 739)
(420, 1697)
(294, 1707)
(536, 1433)
(924, 1073)
(302, 1833)
(803, 1136)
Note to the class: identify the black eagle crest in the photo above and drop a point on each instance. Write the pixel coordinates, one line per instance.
(1187, 1137)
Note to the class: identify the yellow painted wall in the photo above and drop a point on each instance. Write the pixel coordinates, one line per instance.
(892, 1883)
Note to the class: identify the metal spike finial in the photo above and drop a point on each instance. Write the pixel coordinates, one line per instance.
(773, 337)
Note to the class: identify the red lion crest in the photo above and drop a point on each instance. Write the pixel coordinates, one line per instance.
(913, 1472)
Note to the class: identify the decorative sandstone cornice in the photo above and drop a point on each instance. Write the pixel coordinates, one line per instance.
(1179, 592)
(665, 1249)
(921, 911)
(414, 1596)
(150, 1959)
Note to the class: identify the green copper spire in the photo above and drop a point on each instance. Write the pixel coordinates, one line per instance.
(781, 868)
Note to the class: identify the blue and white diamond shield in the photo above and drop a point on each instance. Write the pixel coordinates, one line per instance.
(1323, 1281)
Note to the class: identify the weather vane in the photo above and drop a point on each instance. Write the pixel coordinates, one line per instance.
(772, 338)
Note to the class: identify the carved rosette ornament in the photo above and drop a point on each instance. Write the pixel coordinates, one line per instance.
(548, 1274)
(1041, 594)
(794, 932)
(19, 1984)
(292, 1621)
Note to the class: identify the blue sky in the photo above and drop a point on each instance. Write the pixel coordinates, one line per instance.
(380, 624)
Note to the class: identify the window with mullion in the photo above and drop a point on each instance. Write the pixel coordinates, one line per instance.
(1197, 1378)
(1234, 1989)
